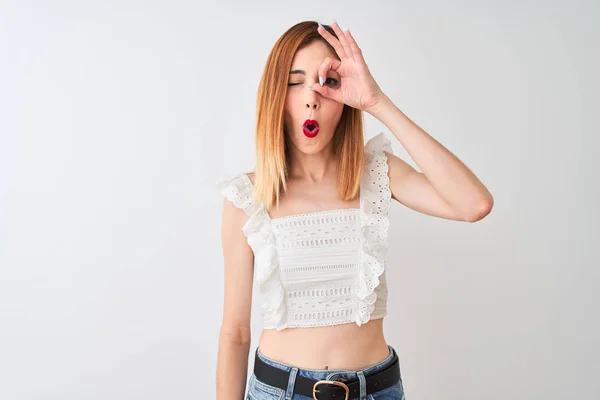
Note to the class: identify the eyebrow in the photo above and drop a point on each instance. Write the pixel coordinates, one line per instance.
(297, 71)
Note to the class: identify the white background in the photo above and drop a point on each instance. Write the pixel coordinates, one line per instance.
(117, 117)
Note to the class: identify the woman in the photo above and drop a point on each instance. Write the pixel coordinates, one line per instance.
(310, 225)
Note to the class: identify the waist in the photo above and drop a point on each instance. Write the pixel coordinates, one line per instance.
(326, 347)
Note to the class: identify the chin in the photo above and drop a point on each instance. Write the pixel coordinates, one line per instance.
(311, 145)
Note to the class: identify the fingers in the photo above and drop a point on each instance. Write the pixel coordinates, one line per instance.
(342, 38)
(335, 43)
(356, 51)
(327, 64)
(328, 92)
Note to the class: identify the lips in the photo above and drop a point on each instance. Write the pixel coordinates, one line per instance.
(310, 128)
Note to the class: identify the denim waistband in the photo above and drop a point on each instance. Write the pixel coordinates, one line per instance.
(328, 374)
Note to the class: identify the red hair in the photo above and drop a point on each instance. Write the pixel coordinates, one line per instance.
(271, 156)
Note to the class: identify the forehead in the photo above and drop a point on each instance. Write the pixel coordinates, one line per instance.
(312, 55)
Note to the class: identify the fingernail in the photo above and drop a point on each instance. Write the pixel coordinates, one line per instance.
(321, 80)
(321, 25)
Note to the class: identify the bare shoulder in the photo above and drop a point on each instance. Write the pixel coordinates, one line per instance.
(235, 217)
(397, 167)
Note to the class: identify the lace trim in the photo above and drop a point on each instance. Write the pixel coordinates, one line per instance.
(375, 201)
(374, 205)
(267, 273)
(238, 188)
(327, 215)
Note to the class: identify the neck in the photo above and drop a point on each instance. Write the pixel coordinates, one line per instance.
(312, 167)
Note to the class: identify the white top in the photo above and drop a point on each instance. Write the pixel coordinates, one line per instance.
(326, 267)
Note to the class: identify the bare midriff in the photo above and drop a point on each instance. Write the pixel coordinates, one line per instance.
(344, 346)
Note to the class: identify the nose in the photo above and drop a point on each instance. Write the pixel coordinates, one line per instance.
(312, 100)
(313, 104)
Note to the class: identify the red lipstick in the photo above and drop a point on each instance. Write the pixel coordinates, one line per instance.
(310, 128)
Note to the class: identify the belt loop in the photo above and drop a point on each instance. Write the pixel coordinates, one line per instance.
(363, 385)
(291, 381)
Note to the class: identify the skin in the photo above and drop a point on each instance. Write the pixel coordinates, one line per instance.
(311, 187)
(310, 157)
(312, 168)
(445, 188)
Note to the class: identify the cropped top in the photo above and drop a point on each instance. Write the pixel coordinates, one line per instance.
(326, 267)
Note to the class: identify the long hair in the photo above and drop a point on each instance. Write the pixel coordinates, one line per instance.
(271, 144)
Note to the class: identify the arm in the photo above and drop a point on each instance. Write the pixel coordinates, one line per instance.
(446, 188)
(234, 337)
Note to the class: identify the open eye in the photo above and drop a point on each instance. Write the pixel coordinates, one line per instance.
(331, 82)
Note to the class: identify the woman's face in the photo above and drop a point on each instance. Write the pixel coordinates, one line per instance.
(304, 106)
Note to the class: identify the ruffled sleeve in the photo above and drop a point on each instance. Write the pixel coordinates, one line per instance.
(266, 269)
(375, 199)
(237, 188)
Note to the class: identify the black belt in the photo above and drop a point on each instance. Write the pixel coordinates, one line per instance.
(325, 390)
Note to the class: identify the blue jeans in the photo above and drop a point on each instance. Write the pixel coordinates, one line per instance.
(258, 390)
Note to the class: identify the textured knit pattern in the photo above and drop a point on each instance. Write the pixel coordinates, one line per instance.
(326, 267)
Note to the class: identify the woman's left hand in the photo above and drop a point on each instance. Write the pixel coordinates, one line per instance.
(358, 88)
